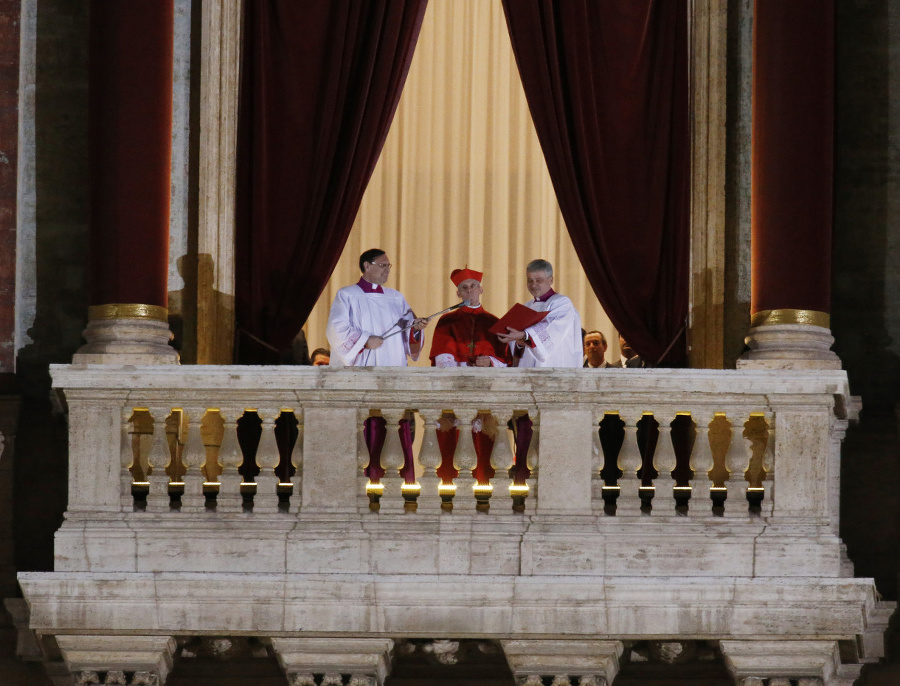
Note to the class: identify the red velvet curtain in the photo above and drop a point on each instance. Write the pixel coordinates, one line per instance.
(321, 80)
(607, 86)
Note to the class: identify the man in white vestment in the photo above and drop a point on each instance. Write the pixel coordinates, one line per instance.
(363, 317)
(373, 326)
(555, 341)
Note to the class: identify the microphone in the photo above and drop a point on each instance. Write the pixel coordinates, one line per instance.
(427, 319)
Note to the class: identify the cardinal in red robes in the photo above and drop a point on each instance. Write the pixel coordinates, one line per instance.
(461, 339)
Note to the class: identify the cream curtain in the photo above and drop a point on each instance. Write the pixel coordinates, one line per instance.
(462, 181)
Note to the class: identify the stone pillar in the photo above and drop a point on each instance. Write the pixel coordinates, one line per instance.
(793, 128)
(311, 661)
(124, 660)
(808, 663)
(131, 67)
(589, 663)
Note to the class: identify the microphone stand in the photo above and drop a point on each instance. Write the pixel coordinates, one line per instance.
(386, 335)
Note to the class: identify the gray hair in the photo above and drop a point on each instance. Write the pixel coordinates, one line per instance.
(539, 266)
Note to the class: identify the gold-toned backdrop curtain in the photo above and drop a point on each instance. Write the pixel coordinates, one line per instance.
(462, 180)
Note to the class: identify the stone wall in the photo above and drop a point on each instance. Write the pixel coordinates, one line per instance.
(54, 269)
(866, 279)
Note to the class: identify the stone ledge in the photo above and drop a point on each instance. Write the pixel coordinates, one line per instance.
(459, 605)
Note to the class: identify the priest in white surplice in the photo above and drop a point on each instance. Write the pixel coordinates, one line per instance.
(555, 341)
(362, 318)
(364, 315)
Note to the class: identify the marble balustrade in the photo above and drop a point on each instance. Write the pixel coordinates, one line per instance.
(648, 504)
(218, 440)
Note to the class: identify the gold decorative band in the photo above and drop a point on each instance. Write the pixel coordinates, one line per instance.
(128, 311)
(812, 317)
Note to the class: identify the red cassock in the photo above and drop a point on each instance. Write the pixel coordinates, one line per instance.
(463, 333)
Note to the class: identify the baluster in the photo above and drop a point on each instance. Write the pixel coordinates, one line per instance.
(702, 460)
(296, 459)
(737, 461)
(532, 461)
(392, 460)
(664, 462)
(629, 502)
(410, 488)
(369, 492)
(229, 498)
(194, 457)
(267, 458)
(430, 459)
(597, 504)
(502, 459)
(766, 507)
(175, 438)
(158, 497)
(464, 460)
(127, 459)
(483, 488)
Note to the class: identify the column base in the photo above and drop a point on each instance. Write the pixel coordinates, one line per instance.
(789, 346)
(126, 340)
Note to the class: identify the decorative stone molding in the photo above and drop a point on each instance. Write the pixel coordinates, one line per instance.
(366, 661)
(569, 663)
(786, 662)
(120, 660)
(116, 677)
(562, 680)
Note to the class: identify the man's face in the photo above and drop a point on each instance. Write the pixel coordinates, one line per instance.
(321, 360)
(595, 348)
(470, 290)
(627, 351)
(538, 283)
(378, 270)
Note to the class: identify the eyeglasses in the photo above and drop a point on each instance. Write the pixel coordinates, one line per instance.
(383, 265)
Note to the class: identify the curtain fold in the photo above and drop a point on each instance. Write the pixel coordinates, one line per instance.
(320, 84)
(607, 87)
(462, 180)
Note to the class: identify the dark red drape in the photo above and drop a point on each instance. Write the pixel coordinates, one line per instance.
(793, 155)
(130, 150)
(607, 86)
(320, 84)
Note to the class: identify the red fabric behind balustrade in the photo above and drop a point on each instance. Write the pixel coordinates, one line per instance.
(607, 86)
(320, 84)
(130, 142)
(793, 154)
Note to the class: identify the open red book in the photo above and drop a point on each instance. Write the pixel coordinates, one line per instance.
(519, 317)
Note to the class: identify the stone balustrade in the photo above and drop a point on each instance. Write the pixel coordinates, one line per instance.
(633, 454)
(534, 507)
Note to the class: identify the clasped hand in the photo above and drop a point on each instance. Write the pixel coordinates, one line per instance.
(512, 335)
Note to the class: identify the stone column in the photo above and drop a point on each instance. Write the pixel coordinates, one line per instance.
(793, 128)
(808, 663)
(125, 660)
(311, 661)
(131, 67)
(588, 663)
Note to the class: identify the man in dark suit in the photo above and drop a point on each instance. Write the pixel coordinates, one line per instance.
(595, 351)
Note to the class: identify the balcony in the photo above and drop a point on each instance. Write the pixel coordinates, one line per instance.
(648, 505)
